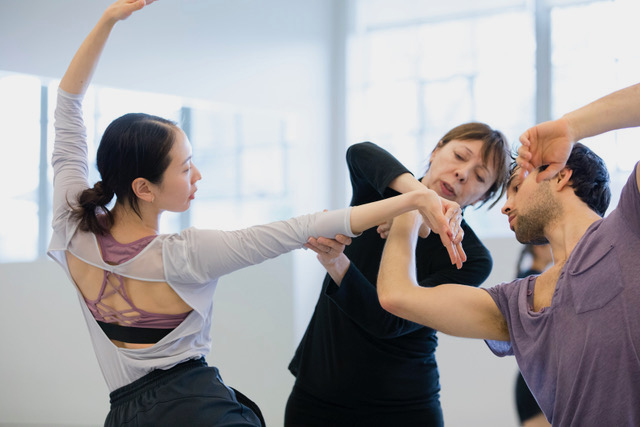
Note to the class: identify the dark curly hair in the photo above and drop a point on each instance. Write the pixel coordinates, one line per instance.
(589, 178)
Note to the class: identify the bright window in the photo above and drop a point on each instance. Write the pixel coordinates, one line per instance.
(418, 68)
(243, 156)
(416, 80)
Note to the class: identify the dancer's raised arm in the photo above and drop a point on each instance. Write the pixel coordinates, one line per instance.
(550, 143)
(78, 75)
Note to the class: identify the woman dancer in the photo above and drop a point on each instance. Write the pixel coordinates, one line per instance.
(147, 297)
(357, 364)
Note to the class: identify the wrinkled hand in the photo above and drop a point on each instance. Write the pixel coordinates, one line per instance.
(444, 217)
(328, 250)
(122, 9)
(548, 143)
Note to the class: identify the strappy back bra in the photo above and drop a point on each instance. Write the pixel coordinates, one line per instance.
(131, 325)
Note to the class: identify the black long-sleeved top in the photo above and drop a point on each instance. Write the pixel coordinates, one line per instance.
(356, 354)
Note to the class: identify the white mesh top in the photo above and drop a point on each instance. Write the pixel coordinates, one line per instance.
(190, 262)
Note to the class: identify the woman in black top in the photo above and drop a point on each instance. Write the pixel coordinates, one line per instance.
(358, 364)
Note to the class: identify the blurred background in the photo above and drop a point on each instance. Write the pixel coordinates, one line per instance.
(271, 93)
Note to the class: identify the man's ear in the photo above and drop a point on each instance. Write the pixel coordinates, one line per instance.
(143, 190)
(562, 178)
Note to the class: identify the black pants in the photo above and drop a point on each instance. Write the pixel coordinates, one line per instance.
(189, 394)
(305, 410)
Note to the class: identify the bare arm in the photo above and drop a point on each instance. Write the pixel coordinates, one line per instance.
(78, 75)
(441, 216)
(453, 309)
(331, 251)
(549, 143)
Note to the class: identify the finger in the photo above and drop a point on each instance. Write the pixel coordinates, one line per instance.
(343, 240)
(313, 248)
(331, 244)
(319, 247)
(454, 224)
(524, 167)
(461, 252)
(136, 5)
(458, 260)
(450, 248)
(459, 237)
(524, 152)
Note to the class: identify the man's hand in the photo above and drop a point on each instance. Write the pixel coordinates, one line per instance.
(548, 143)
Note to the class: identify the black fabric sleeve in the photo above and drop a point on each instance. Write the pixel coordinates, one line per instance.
(371, 169)
(358, 300)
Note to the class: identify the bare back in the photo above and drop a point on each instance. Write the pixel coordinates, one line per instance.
(153, 297)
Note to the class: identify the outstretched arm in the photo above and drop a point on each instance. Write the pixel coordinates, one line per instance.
(373, 170)
(441, 216)
(453, 309)
(78, 75)
(549, 143)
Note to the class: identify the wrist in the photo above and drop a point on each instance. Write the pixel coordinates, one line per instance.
(423, 198)
(338, 268)
(572, 130)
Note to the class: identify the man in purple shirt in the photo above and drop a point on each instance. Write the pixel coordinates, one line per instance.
(575, 329)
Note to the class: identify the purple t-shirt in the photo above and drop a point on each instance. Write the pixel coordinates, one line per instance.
(581, 356)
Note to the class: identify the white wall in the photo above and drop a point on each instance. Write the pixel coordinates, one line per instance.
(278, 55)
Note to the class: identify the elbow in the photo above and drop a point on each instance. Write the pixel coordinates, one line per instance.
(390, 301)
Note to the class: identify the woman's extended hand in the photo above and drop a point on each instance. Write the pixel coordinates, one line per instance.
(122, 9)
(444, 217)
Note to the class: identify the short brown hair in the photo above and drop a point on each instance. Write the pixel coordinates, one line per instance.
(495, 151)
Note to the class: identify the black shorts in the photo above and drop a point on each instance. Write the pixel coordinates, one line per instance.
(189, 394)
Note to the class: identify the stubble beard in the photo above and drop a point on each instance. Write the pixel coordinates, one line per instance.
(544, 211)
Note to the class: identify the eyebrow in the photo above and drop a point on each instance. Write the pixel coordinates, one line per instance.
(187, 160)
